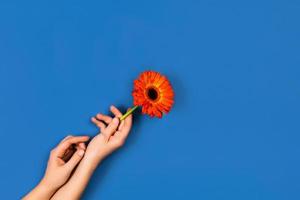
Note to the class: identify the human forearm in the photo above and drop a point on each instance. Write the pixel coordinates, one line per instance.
(112, 136)
(74, 188)
(41, 192)
(62, 161)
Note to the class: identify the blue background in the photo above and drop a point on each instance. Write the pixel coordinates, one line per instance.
(234, 65)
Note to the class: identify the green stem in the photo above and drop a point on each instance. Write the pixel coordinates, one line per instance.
(128, 112)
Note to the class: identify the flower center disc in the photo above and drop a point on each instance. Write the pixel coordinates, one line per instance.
(152, 94)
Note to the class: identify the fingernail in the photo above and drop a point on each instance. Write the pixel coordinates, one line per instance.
(80, 152)
(115, 120)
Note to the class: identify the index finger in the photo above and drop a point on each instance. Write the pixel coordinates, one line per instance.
(64, 145)
(115, 111)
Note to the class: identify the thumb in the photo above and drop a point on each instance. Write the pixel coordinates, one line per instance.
(74, 160)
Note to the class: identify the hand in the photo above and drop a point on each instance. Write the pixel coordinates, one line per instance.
(63, 159)
(111, 137)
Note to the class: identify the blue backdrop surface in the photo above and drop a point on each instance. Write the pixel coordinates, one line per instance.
(234, 65)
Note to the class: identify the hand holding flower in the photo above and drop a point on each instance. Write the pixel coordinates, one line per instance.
(152, 92)
(112, 136)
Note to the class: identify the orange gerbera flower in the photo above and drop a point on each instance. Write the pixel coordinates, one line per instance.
(154, 93)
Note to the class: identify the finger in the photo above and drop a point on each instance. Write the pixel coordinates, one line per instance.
(126, 127)
(111, 128)
(98, 123)
(74, 160)
(105, 118)
(115, 111)
(81, 146)
(62, 147)
(68, 154)
(118, 114)
(66, 138)
(70, 151)
(122, 122)
(121, 125)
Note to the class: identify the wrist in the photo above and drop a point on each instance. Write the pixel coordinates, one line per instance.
(93, 157)
(46, 187)
(91, 161)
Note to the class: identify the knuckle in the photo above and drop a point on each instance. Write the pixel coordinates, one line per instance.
(68, 142)
(102, 126)
(69, 137)
(53, 151)
(77, 156)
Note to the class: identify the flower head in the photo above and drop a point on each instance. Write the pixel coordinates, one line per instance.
(154, 93)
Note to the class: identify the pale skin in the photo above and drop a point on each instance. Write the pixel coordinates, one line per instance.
(72, 155)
